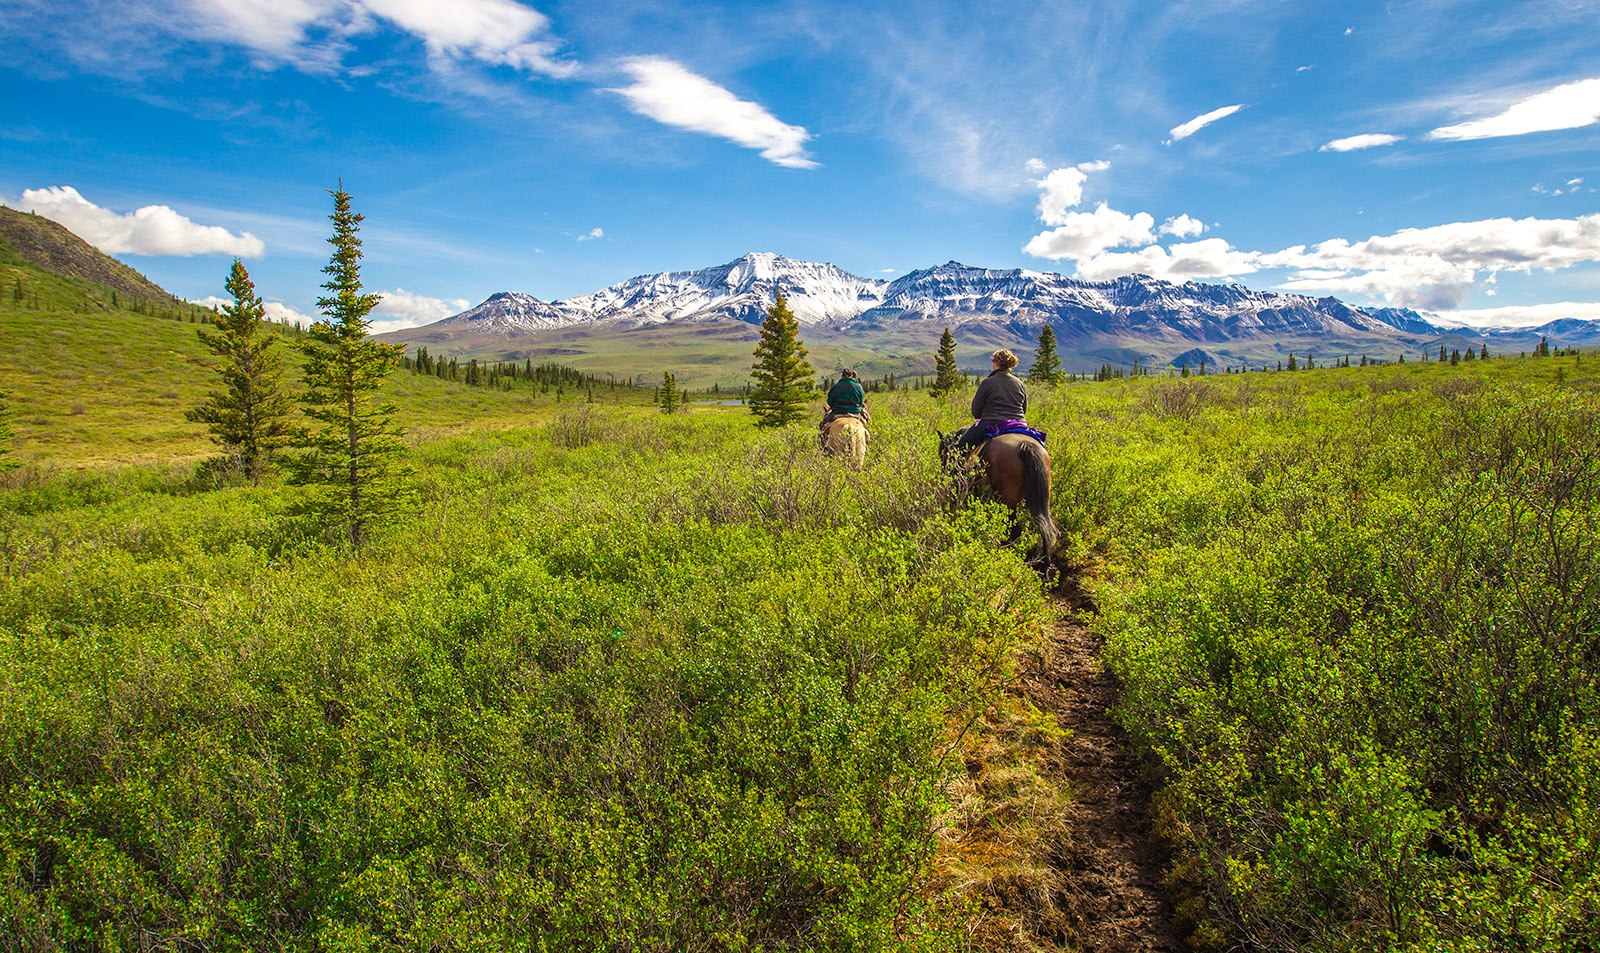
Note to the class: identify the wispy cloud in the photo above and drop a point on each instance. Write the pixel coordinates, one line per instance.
(592, 234)
(1568, 106)
(1364, 141)
(151, 230)
(668, 93)
(1201, 121)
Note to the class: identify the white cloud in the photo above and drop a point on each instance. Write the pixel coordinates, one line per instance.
(1363, 141)
(592, 234)
(1034, 166)
(1513, 316)
(312, 34)
(403, 309)
(275, 310)
(1209, 258)
(1059, 191)
(887, 271)
(282, 313)
(1302, 69)
(1084, 234)
(501, 32)
(152, 230)
(1564, 107)
(1577, 181)
(1200, 122)
(1436, 267)
(1422, 282)
(1182, 227)
(1099, 165)
(668, 93)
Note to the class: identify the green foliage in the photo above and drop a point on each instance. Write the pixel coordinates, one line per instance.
(677, 688)
(1046, 364)
(5, 431)
(251, 416)
(1355, 616)
(670, 402)
(946, 375)
(352, 462)
(782, 375)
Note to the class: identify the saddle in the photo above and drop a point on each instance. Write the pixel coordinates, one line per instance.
(1016, 427)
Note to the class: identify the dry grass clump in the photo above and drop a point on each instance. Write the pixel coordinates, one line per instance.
(997, 842)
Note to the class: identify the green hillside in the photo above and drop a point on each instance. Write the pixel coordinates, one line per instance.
(36, 241)
(96, 385)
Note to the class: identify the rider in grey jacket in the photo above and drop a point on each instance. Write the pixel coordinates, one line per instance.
(1001, 397)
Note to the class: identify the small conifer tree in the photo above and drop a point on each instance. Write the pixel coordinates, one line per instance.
(669, 393)
(250, 416)
(352, 461)
(783, 376)
(1293, 365)
(946, 376)
(1046, 365)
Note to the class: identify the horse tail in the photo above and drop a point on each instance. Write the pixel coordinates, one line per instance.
(1036, 494)
(858, 447)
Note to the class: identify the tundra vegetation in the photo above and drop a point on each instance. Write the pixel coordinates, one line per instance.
(617, 679)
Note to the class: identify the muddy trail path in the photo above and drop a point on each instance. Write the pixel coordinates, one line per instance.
(1048, 843)
(1109, 863)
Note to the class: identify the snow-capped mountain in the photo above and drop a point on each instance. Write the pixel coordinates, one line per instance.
(829, 299)
(741, 290)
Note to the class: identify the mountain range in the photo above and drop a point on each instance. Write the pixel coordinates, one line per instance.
(1117, 321)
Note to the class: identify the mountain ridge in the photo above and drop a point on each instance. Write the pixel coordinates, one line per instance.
(825, 297)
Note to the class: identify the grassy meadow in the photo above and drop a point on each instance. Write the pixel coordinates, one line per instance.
(626, 681)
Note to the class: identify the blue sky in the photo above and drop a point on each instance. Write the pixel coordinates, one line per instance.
(1441, 155)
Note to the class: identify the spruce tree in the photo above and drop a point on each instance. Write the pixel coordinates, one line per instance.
(250, 416)
(946, 376)
(783, 376)
(1046, 367)
(669, 393)
(351, 462)
(1293, 365)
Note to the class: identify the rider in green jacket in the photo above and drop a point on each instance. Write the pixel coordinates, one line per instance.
(847, 398)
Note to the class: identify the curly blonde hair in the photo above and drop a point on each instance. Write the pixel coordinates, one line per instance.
(1004, 359)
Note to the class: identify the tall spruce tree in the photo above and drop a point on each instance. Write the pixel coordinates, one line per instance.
(1046, 367)
(669, 393)
(783, 376)
(352, 461)
(946, 375)
(250, 416)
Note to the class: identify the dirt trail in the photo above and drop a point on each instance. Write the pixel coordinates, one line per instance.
(1108, 861)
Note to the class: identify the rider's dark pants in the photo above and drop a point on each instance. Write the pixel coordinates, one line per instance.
(973, 436)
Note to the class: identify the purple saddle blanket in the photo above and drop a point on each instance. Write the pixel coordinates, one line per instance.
(1015, 426)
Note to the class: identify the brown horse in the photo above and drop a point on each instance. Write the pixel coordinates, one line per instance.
(846, 437)
(1017, 469)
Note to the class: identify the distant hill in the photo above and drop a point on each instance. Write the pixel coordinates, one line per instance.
(37, 241)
